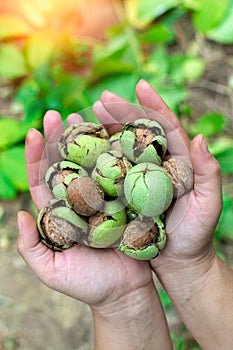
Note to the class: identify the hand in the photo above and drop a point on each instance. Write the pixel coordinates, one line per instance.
(91, 275)
(191, 222)
(188, 267)
(120, 291)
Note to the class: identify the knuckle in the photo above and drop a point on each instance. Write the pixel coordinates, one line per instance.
(216, 168)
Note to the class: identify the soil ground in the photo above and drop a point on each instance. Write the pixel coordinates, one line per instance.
(30, 312)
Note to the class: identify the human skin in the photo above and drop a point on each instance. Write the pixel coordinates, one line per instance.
(126, 309)
(198, 282)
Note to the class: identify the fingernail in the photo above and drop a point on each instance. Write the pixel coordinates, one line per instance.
(141, 81)
(204, 146)
(107, 93)
(29, 136)
(98, 104)
(20, 220)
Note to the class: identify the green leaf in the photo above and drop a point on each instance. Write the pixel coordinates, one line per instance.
(224, 228)
(12, 64)
(39, 49)
(225, 160)
(12, 27)
(160, 33)
(193, 68)
(111, 66)
(13, 167)
(141, 12)
(223, 32)
(156, 67)
(27, 91)
(192, 5)
(175, 74)
(209, 14)
(220, 145)
(7, 190)
(114, 48)
(151, 9)
(10, 130)
(173, 96)
(123, 85)
(185, 69)
(13, 131)
(209, 124)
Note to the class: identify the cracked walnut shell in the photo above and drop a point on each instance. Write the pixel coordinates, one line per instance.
(181, 175)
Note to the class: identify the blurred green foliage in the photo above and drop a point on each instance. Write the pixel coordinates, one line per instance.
(68, 74)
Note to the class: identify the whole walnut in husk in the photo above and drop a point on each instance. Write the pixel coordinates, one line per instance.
(59, 226)
(83, 143)
(106, 228)
(110, 171)
(143, 238)
(143, 141)
(148, 189)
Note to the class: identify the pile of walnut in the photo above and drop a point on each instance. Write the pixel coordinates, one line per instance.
(112, 191)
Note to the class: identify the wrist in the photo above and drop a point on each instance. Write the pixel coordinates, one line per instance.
(135, 321)
(131, 302)
(202, 295)
(177, 274)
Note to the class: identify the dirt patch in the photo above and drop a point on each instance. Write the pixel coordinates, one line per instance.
(34, 317)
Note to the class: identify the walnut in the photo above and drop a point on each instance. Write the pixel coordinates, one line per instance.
(140, 233)
(85, 195)
(181, 175)
(59, 226)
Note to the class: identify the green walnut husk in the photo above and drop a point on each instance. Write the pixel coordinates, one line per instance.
(60, 174)
(107, 227)
(115, 144)
(143, 141)
(110, 171)
(131, 214)
(143, 238)
(83, 143)
(148, 189)
(59, 226)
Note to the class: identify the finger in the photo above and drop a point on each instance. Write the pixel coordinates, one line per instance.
(106, 119)
(36, 165)
(53, 128)
(207, 176)
(156, 108)
(120, 109)
(74, 118)
(34, 252)
(207, 181)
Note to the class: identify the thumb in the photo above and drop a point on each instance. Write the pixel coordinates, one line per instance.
(207, 174)
(28, 244)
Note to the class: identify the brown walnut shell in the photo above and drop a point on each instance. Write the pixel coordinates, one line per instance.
(181, 175)
(85, 195)
(59, 231)
(140, 233)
